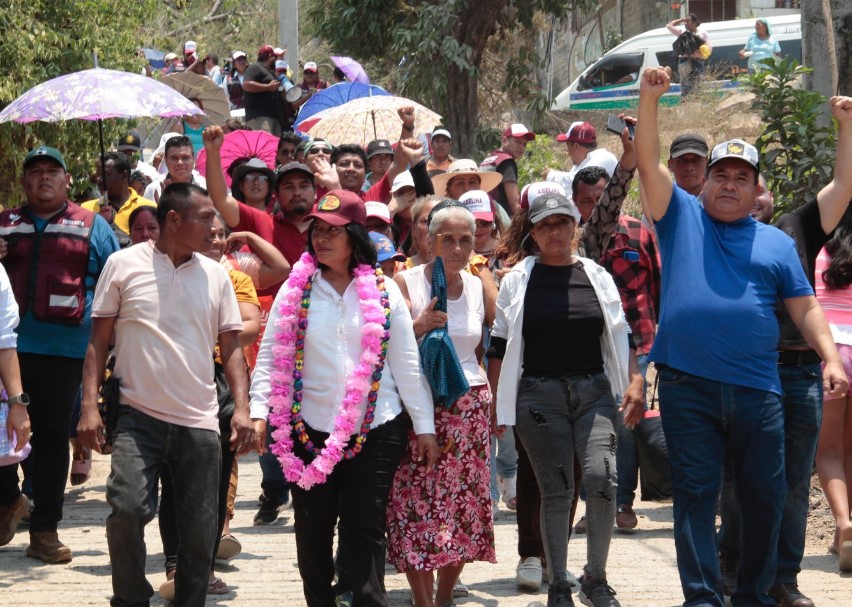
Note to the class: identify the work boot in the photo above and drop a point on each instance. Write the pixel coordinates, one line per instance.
(788, 595)
(11, 515)
(45, 546)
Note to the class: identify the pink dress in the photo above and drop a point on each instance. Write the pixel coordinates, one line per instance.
(443, 517)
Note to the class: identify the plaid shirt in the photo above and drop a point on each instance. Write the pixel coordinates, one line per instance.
(633, 260)
(628, 250)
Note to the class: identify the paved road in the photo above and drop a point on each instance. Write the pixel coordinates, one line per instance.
(641, 567)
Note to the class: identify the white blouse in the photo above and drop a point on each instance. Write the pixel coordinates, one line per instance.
(333, 348)
(465, 317)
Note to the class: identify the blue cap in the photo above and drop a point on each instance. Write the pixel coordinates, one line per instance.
(384, 248)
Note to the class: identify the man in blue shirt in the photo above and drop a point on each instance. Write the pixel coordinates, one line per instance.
(55, 253)
(720, 394)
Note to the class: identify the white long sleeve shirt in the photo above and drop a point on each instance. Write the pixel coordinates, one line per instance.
(333, 348)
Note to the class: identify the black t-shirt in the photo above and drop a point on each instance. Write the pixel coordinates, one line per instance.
(509, 170)
(261, 104)
(804, 227)
(563, 322)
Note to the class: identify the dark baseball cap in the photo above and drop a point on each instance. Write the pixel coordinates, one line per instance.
(579, 132)
(265, 52)
(553, 204)
(379, 146)
(129, 141)
(291, 167)
(340, 208)
(689, 143)
(45, 153)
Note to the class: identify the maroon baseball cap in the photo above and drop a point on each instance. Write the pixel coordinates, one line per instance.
(579, 132)
(339, 208)
(265, 52)
(519, 130)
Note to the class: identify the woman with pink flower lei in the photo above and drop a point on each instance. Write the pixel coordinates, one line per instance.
(441, 519)
(338, 352)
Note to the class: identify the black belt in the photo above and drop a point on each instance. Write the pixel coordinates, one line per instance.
(798, 357)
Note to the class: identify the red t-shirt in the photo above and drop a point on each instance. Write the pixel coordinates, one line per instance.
(284, 235)
(381, 192)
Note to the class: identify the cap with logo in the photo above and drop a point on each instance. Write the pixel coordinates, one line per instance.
(478, 203)
(579, 132)
(340, 208)
(540, 188)
(553, 204)
(689, 143)
(379, 146)
(378, 209)
(129, 141)
(737, 149)
(403, 180)
(45, 153)
(310, 66)
(519, 130)
(384, 248)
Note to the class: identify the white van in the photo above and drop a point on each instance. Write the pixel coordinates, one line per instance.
(612, 82)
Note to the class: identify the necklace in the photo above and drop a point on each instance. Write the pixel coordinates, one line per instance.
(363, 382)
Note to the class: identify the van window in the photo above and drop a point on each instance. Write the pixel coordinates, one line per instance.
(612, 70)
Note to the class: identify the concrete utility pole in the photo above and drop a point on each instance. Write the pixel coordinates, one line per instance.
(288, 31)
(832, 66)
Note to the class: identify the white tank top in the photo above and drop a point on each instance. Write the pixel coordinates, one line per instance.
(466, 317)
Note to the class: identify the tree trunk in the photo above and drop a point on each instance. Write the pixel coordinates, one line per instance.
(475, 26)
(815, 40)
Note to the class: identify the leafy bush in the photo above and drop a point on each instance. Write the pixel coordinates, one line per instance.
(797, 147)
(541, 154)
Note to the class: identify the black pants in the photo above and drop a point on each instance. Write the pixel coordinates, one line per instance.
(167, 518)
(52, 383)
(354, 496)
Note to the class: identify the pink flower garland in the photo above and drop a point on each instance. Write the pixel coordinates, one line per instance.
(287, 369)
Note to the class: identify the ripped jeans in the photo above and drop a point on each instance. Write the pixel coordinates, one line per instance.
(557, 417)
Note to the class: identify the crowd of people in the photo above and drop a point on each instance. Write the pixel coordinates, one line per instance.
(407, 339)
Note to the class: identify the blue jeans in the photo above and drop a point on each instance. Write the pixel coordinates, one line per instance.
(627, 455)
(273, 483)
(504, 460)
(559, 419)
(143, 446)
(802, 385)
(704, 421)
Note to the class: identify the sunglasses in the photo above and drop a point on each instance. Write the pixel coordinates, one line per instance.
(314, 151)
(256, 177)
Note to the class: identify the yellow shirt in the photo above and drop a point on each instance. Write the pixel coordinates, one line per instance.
(122, 217)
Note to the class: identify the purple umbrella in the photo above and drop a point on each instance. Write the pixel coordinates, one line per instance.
(352, 69)
(96, 94)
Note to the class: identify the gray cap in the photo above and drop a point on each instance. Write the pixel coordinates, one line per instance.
(294, 166)
(254, 165)
(553, 204)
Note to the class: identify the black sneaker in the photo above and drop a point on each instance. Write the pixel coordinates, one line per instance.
(597, 593)
(728, 565)
(559, 595)
(268, 511)
(788, 595)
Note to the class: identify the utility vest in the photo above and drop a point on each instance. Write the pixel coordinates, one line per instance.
(48, 269)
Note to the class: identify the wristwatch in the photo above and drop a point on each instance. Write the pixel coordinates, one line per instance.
(20, 399)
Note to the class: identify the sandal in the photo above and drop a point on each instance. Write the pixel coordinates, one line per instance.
(81, 465)
(217, 585)
(229, 547)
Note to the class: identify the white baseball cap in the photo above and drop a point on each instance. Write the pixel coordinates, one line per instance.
(237, 54)
(539, 188)
(378, 209)
(402, 180)
(478, 203)
(190, 47)
(519, 130)
(310, 66)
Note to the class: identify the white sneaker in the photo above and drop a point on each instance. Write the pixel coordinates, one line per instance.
(495, 510)
(528, 575)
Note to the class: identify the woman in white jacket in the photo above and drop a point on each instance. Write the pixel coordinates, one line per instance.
(559, 353)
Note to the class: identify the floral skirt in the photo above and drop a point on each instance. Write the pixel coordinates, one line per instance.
(443, 517)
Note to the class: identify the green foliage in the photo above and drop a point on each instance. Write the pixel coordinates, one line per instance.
(797, 149)
(42, 39)
(612, 38)
(541, 154)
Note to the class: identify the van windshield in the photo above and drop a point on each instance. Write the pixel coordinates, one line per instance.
(612, 70)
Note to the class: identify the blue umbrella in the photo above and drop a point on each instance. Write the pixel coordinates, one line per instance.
(437, 354)
(336, 95)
